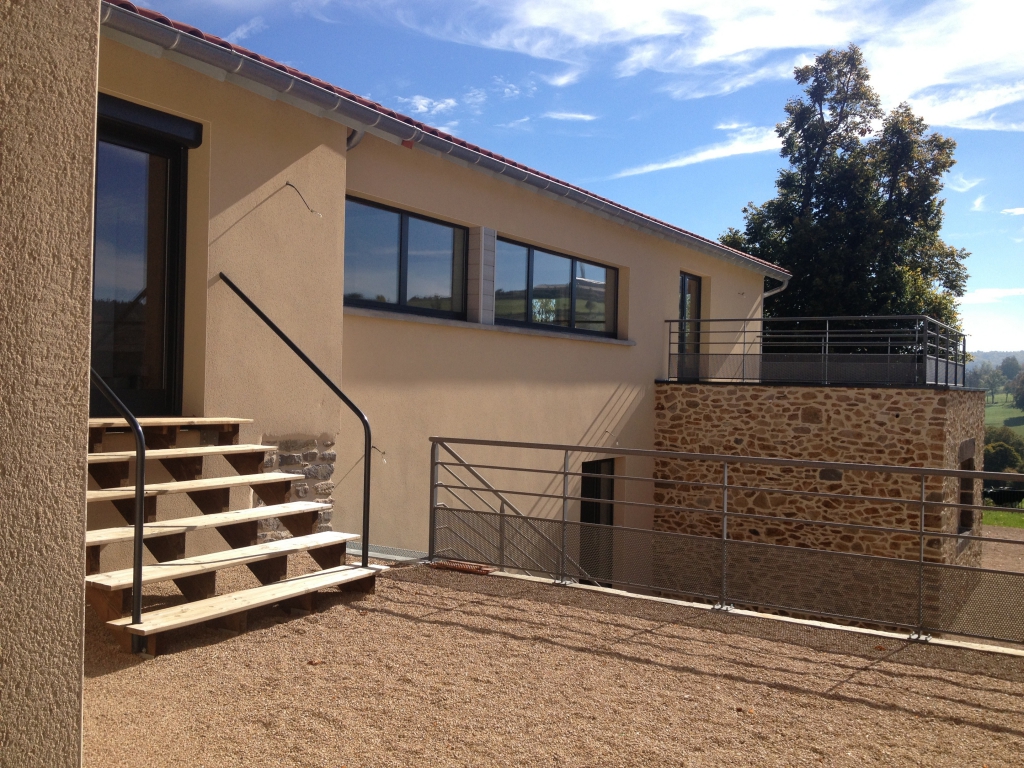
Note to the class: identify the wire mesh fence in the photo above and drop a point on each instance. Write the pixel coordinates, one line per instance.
(924, 570)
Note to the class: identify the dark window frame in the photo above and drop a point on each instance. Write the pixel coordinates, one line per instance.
(571, 328)
(143, 129)
(401, 307)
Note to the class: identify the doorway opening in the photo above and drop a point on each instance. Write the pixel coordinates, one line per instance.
(597, 510)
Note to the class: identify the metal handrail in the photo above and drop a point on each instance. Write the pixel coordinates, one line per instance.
(367, 434)
(138, 642)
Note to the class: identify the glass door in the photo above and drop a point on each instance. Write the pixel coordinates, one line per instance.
(137, 270)
(689, 328)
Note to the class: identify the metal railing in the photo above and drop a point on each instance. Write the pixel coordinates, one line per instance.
(895, 350)
(138, 641)
(367, 433)
(894, 546)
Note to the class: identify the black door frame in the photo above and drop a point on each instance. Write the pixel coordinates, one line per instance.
(136, 127)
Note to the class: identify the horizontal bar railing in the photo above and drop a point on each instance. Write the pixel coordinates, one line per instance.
(914, 546)
(907, 350)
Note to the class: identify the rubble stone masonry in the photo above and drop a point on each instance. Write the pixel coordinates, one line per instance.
(887, 426)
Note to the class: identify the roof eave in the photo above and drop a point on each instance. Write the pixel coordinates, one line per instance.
(244, 70)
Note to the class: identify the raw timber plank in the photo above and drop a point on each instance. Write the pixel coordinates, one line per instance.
(168, 421)
(206, 484)
(224, 605)
(113, 457)
(187, 524)
(192, 566)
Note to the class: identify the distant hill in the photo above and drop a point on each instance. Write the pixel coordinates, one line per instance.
(995, 358)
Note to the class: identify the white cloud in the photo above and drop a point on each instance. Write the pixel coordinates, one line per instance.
(979, 203)
(422, 105)
(568, 77)
(522, 123)
(570, 116)
(958, 62)
(959, 184)
(254, 26)
(990, 295)
(1013, 211)
(742, 141)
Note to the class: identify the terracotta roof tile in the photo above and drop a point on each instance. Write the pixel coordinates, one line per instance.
(195, 32)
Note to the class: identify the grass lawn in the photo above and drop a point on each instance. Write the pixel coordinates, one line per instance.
(1004, 519)
(1001, 414)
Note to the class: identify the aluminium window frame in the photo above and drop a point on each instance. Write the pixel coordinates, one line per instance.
(570, 329)
(401, 307)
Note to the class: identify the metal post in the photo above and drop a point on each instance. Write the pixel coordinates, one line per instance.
(725, 529)
(920, 567)
(565, 515)
(824, 357)
(744, 352)
(501, 537)
(433, 501)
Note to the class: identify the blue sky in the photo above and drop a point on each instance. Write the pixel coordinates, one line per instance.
(668, 106)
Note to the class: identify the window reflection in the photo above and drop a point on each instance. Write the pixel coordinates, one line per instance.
(372, 241)
(434, 273)
(551, 288)
(510, 281)
(593, 290)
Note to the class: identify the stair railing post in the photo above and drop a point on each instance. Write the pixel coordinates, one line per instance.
(138, 642)
(920, 565)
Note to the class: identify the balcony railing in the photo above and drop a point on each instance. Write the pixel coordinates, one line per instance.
(895, 350)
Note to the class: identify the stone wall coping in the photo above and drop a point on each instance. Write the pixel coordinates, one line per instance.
(814, 384)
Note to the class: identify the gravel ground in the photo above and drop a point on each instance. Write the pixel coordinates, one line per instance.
(1002, 557)
(447, 669)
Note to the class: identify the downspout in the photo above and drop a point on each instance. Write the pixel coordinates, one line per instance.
(779, 289)
(354, 138)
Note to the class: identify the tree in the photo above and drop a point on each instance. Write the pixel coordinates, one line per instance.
(1004, 435)
(857, 215)
(999, 457)
(1010, 367)
(1018, 391)
(993, 381)
(977, 374)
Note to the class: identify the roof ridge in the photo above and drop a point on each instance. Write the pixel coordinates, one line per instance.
(420, 126)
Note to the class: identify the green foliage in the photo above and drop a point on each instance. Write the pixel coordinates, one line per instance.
(1006, 436)
(999, 457)
(1017, 390)
(857, 217)
(1010, 367)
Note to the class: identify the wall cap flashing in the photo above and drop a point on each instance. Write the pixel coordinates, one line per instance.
(382, 314)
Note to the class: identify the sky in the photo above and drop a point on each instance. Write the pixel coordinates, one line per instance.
(669, 106)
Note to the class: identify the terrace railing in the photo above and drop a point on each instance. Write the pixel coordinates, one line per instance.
(895, 350)
(894, 546)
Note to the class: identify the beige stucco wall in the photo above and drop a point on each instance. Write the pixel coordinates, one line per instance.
(413, 378)
(416, 379)
(244, 220)
(47, 129)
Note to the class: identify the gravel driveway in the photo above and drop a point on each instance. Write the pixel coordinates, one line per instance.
(447, 669)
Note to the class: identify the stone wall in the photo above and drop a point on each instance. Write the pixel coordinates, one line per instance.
(313, 458)
(904, 427)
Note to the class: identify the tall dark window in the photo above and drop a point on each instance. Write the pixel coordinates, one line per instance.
(537, 287)
(395, 260)
(597, 489)
(139, 259)
(689, 327)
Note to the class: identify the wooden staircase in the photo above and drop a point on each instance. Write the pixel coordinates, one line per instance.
(180, 445)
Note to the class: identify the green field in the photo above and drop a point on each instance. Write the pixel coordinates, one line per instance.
(1004, 414)
(1004, 519)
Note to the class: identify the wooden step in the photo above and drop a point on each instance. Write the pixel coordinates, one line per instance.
(167, 421)
(102, 536)
(192, 566)
(113, 457)
(187, 486)
(217, 607)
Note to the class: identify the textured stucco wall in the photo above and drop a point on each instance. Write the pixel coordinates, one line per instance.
(902, 427)
(47, 131)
